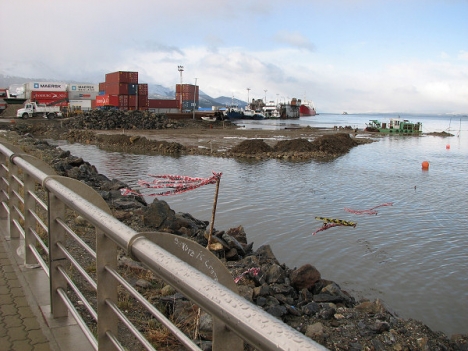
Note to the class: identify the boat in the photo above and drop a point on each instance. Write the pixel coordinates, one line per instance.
(270, 110)
(284, 110)
(209, 118)
(345, 113)
(307, 108)
(233, 112)
(395, 126)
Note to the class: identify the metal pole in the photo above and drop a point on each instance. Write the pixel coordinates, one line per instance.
(215, 202)
(194, 101)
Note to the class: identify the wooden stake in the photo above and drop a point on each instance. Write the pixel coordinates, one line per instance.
(215, 202)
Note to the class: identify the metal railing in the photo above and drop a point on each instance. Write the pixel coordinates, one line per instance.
(37, 203)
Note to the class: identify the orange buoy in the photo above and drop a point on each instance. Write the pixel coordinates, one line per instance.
(447, 146)
(425, 165)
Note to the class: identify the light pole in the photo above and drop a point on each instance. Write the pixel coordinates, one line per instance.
(265, 94)
(181, 69)
(194, 101)
(248, 96)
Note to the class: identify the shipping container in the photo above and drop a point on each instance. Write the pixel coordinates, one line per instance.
(186, 96)
(132, 89)
(107, 100)
(162, 103)
(61, 103)
(102, 86)
(123, 101)
(142, 101)
(122, 77)
(83, 87)
(143, 89)
(47, 95)
(82, 95)
(83, 105)
(116, 88)
(186, 88)
(45, 86)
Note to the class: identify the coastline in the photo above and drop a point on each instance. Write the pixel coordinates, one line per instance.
(332, 321)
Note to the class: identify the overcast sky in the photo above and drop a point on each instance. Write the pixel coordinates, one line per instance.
(344, 55)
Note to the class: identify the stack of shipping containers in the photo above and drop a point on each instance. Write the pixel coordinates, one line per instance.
(80, 96)
(121, 90)
(187, 96)
(49, 93)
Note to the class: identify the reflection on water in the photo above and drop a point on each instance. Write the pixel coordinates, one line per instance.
(413, 255)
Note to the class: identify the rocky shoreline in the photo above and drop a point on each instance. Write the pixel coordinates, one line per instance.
(300, 297)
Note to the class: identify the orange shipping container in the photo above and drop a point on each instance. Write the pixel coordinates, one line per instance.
(116, 88)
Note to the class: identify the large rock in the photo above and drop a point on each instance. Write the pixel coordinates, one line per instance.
(305, 277)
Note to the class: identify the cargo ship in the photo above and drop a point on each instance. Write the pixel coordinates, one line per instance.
(307, 108)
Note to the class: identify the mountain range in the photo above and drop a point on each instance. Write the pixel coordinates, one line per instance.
(155, 91)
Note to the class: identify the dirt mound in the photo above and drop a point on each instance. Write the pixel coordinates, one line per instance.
(252, 146)
(297, 145)
(339, 143)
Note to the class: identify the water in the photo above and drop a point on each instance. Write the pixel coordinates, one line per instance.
(412, 255)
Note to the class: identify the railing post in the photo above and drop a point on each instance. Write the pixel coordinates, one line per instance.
(30, 205)
(106, 255)
(14, 201)
(56, 209)
(3, 187)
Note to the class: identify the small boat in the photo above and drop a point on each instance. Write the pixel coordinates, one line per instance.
(395, 126)
(209, 118)
(345, 113)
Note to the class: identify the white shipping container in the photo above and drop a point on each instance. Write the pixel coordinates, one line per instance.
(85, 105)
(45, 86)
(83, 87)
(82, 95)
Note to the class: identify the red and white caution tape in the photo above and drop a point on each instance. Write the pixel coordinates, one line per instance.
(179, 184)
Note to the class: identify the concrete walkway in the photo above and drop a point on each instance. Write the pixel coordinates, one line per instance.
(25, 319)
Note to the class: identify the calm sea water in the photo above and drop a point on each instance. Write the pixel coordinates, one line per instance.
(412, 255)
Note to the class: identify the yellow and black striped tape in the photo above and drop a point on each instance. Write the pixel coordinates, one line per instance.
(337, 221)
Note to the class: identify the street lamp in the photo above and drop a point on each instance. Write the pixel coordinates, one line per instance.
(265, 94)
(181, 69)
(194, 101)
(248, 96)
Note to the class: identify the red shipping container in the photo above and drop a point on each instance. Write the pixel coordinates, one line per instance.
(160, 103)
(48, 95)
(142, 101)
(133, 77)
(131, 100)
(93, 104)
(102, 86)
(107, 100)
(143, 89)
(123, 100)
(122, 77)
(52, 102)
(116, 88)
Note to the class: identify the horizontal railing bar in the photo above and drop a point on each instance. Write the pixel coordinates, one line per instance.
(38, 220)
(76, 237)
(18, 211)
(123, 318)
(75, 264)
(77, 291)
(154, 311)
(6, 207)
(19, 227)
(89, 335)
(18, 196)
(38, 200)
(18, 180)
(115, 341)
(39, 241)
(39, 259)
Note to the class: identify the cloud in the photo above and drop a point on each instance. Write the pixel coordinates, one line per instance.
(463, 55)
(294, 39)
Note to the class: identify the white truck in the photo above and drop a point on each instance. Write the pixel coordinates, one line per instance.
(32, 109)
